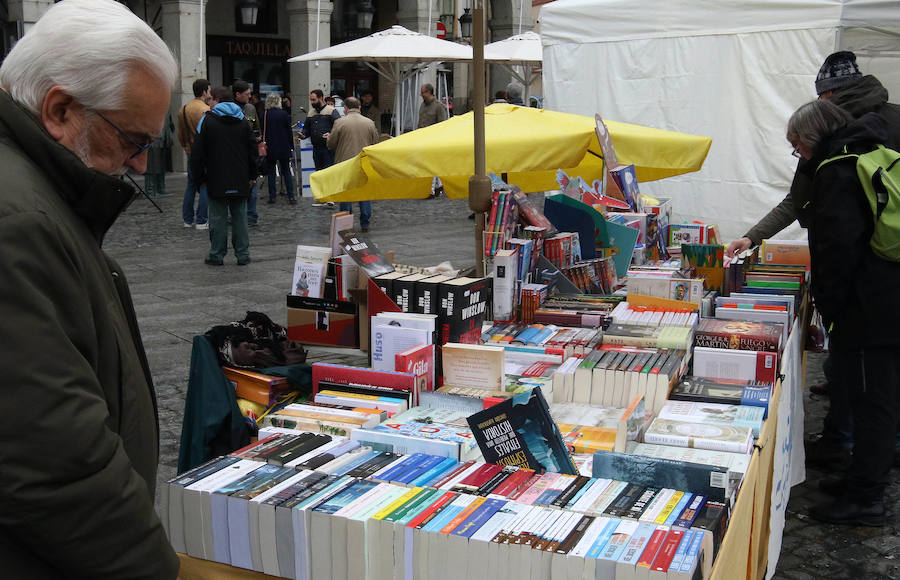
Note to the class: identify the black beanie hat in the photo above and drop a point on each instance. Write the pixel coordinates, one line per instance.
(838, 70)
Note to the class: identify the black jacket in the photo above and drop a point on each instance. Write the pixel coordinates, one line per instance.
(318, 123)
(854, 290)
(866, 96)
(80, 439)
(279, 138)
(224, 154)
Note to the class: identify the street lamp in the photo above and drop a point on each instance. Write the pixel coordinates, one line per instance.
(365, 12)
(465, 24)
(249, 12)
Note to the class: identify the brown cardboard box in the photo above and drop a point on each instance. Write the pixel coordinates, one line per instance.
(322, 322)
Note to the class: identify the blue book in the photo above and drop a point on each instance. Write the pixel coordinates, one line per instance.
(477, 518)
(603, 538)
(443, 518)
(692, 553)
(363, 457)
(580, 493)
(342, 499)
(547, 497)
(542, 335)
(757, 396)
(420, 468)
(338, 484)
(679, 507)
(401, 467)
(690, 512)
(435, 472)
(526, 335)
(686, 540)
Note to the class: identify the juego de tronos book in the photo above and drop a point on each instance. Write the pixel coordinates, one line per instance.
(739, 335)
(521, 432)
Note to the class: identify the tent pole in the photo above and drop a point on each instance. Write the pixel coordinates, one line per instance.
(479, 183)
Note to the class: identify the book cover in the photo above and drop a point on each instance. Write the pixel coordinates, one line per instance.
(403, 291)
(392, 337)
(661, 472)
(427, 298)
(714, 413)
(700, 435)
(521, 432)
(742, 365)
(472, 365)
(365, 253)
(346, 375)
(340, 221)
(463, 304)
(418, 360)
(310, 265)
(739, 335)
(731, 392)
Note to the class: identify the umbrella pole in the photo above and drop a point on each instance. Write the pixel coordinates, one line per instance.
(479, 184)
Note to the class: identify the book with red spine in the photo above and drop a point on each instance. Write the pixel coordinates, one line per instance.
(478, 477)
(513, 483)
(666, 552)
(346, 375)
(653, 546)
(419, 361)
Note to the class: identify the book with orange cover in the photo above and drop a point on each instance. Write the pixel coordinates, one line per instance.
(257, 387)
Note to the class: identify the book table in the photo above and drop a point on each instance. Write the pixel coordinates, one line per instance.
(752, 541)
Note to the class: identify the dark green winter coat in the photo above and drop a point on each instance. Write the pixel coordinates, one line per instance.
(80, 440)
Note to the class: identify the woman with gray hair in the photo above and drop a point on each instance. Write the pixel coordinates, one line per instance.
(856, 293)
(280, 142)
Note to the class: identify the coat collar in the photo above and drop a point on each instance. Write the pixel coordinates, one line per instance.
(95, 197)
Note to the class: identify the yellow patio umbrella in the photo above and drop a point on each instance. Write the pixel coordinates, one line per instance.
(527, 144)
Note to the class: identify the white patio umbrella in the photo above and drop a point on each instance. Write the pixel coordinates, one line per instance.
(522, 50)
(385, 52)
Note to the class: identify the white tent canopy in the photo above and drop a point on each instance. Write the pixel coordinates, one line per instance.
(734, 72)
(518, 54)
(387, 50)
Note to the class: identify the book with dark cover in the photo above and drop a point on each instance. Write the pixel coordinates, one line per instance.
(426, 295)
(373, 465)
(625, 500)
(403, 291)
(709, 480)
(714, 518)
(739, 334)
(729, 392)
(690, 512)
(566, 496)
(640, 505)
(496, 480)
(463, 303)
(365, 253)
(299, 450)
(386, 282)
(520, 431)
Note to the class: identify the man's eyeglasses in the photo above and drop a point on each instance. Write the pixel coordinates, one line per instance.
(141, 147)
(796, 152)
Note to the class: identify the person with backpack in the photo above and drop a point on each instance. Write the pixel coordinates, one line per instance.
(840, 81)
(854, 279)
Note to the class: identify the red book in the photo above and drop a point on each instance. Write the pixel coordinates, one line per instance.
(345, 375)
(430, 510)
(652, 549)
(480, 476)
(513, 483)
(459, 469)
(524, 487)
(739, 335)
(419, 360)
(667, 550)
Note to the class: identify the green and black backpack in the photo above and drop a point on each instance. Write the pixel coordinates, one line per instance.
(879, 174)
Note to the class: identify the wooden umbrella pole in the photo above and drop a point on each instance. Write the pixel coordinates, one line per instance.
(479, 183)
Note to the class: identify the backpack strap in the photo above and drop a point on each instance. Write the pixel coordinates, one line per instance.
(843, 155)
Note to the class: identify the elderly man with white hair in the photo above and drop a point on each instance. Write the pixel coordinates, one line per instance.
(84, 93)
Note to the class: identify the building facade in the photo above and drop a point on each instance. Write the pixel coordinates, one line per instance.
(224, 40)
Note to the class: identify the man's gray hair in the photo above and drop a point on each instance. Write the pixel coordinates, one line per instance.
(273, 101)
(351, 103)
(816, 120)
(89, 48)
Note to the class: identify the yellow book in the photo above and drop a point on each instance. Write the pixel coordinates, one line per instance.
(397, 503)
(670, 505)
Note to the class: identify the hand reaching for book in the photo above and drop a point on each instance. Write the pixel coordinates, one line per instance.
(738, 246)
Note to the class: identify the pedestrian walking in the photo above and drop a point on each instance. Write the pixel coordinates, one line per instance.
(188, 117)
(224, 158)
(279, 144)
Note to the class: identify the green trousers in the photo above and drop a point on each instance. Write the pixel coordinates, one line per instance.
(219, 210)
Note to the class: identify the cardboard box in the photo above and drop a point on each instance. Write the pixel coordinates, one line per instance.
(322, 322)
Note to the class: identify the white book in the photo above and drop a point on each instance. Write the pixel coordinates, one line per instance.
(197, 508)
(310, 264)
(575, 560)
(591, 495)
(300, 519)
(657, 505)
(358, 556)
(390, 339)
(605, 563)
(611, 492)
(742, 365)
(265, 519)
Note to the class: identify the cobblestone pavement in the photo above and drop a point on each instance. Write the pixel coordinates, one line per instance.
(177, 296)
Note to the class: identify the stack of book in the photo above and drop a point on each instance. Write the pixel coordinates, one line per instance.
(349, 512)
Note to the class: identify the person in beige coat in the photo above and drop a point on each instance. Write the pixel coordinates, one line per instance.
(350, 134)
